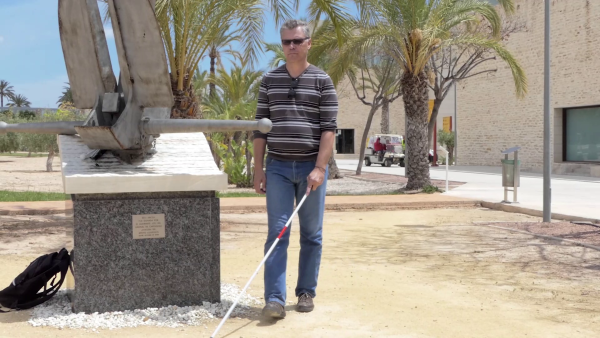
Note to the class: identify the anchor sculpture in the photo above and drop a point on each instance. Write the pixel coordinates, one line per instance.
(128, 115)
(146, 229)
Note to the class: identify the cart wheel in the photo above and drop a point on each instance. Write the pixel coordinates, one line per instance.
(387, 163)
(367, 162)
(401, 163)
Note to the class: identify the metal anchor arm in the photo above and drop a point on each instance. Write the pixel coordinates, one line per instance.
(168, 126)
(149, 126)
(60, 128)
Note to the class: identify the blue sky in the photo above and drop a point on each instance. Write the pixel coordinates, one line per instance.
(31, 58)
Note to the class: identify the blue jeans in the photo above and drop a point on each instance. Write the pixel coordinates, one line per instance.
(286, 182)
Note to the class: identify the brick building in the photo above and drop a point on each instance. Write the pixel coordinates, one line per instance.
(488, 117)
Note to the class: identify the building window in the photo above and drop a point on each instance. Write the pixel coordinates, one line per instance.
(581, 134)
(344, 141)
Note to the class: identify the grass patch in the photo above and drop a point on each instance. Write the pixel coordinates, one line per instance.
(430, 189)
(251, 194)
(23, 154)
(31, 196)
(238, 194)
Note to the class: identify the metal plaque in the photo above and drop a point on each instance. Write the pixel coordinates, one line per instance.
(148, 226)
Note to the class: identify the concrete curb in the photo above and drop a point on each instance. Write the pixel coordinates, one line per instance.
(560, 239)
(535, 213)
(34, 212)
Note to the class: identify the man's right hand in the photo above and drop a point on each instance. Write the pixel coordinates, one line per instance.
(260, 181)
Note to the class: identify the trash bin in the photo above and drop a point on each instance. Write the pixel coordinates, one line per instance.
(510, 177)
(511, 173)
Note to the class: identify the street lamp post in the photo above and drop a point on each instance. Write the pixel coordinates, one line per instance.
(547, 165)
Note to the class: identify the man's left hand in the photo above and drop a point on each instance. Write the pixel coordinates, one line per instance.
(315, 179)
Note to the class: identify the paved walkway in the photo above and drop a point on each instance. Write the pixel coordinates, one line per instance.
(397, 179)
(571, 195)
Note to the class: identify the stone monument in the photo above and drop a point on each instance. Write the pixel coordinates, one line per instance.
(145, 211)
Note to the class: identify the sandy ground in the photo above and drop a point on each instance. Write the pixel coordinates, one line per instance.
(29, 174)
(384, 274)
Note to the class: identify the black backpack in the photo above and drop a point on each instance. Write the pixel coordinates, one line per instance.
(23, 292)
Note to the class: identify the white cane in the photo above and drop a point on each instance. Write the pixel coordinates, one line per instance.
(259, 266)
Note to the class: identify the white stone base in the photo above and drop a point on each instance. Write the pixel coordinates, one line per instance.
(182, 162)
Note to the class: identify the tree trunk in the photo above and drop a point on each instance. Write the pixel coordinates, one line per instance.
(185, 106)
(334, 171)
(216, 157)
(385, 116)
(29, 154)
(50, 159)
(450, 155)
(363, 141)
(415, 96)
(249, 171)
(437, 103)
(213, 70)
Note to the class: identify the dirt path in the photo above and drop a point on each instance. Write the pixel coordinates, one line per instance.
(398, 274)
(29, 174)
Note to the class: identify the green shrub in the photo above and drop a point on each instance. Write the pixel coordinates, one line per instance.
(430, 189)
(235, 162)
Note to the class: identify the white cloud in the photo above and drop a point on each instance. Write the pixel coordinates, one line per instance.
(108, 31)
(1, 39)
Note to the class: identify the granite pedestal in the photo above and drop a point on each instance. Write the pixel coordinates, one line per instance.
(145, 234)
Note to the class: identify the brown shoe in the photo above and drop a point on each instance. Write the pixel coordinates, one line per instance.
(274, 310)
(305, 303)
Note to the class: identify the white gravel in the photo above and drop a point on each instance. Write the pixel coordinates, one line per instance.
(57, 313)
(353, 186)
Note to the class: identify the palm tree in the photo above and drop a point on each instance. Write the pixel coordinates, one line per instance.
(235, 99)
(6, 90)
(411, 31)
(200, 83)
(67, 96)
(190, 27)
(221, 44)
(19, 101)
(237, 94)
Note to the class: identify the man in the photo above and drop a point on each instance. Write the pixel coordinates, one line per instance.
(301, 101)
(378, 147)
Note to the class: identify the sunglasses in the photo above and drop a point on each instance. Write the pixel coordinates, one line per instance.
(295, 41)
(293, 86)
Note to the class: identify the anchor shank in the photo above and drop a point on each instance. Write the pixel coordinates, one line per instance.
(60, 128)
(168, 126)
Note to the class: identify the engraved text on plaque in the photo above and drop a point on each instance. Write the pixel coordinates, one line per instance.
(148, 226)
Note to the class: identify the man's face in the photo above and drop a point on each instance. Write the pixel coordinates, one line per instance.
(298, 49)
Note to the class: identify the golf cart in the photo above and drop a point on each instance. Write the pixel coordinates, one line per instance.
(393, 153)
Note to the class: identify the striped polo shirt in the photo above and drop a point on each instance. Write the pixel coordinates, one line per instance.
(297, 122)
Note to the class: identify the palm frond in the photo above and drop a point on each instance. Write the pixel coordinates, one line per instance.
(518, 73)
(19, 101)
(282, 9)
(279, 56)
(67, 95)
(451, 13)
(251, 21)
(334, 10)
(355, 47)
